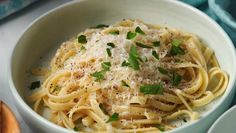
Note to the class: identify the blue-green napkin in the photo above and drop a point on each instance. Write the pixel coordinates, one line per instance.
(203, 6)
(8, 7)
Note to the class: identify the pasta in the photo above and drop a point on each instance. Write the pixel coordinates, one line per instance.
(129, 77)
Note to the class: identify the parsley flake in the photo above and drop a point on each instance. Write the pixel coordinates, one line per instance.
(101, 106)
(115, 32)
(161, 127)
(130, 35)
(114, 117)
(142, 45)
(101, 26)
(139, 30)
(98, 75)
(106, 65)
(124, 83)
(133, 58)
(175, 48)
(152, 89)
(34, 85)
(124, 63)
(82, 48)
(108, 52)
(154, 53)
(162, 70)
(82, 39)
(176, 79)
(112, 45)
(76, 129)
(156, 43)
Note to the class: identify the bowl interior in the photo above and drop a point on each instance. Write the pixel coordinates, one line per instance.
(49, 31)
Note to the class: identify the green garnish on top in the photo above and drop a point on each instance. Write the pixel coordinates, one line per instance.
(161, 127)
(106, 66)
(102, 108)
(82, 48)
(76, 129)
(154, 53)
(175, 48)
(34, 85)
(130, 35)
(124, 83)
(108, 52)
(152, 89)
(125, 63)
(162, 70)
(142, 45)
(115, 32)
(82, 39)
(112, 45)
(176, 79)
(114, 117)
(134, 58)
(156, 43)
(101, 26)
(99, 75)
(139, 30)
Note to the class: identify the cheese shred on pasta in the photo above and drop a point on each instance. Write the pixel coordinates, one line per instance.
(129, 77)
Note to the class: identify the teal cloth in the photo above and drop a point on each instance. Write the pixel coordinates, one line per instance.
(203, 6)
(7, 7)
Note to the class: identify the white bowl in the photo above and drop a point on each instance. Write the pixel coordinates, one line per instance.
(225, 123)
(61, 23)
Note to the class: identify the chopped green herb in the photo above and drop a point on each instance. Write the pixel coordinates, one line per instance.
(115, 32)
(133, 63)
(34, 85)
(138, 30)
(145, 58)
(156, 43)
(154, 53)
(102, 108)
(56, 88)
(176, 42)
(175, 48)
(161, 127)
(82, 39)
(98, 75)
(162, 70)
(76, 129)
(124, 63)
(124, 83)
(106, 66)
(176, 79)
(184, 119)
(101, 26)
(130, 35)
(82, 48)
(111, 44)
(152, 89)
(108, 52)
(142, 45)
(133, 58)
(114, 117)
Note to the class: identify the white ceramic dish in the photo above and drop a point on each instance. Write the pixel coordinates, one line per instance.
(225, 123)
(61, 23)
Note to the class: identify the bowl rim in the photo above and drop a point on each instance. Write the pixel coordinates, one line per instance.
(39, 119)
(219, 119)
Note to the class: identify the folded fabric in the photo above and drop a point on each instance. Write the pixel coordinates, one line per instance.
(8, 7)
